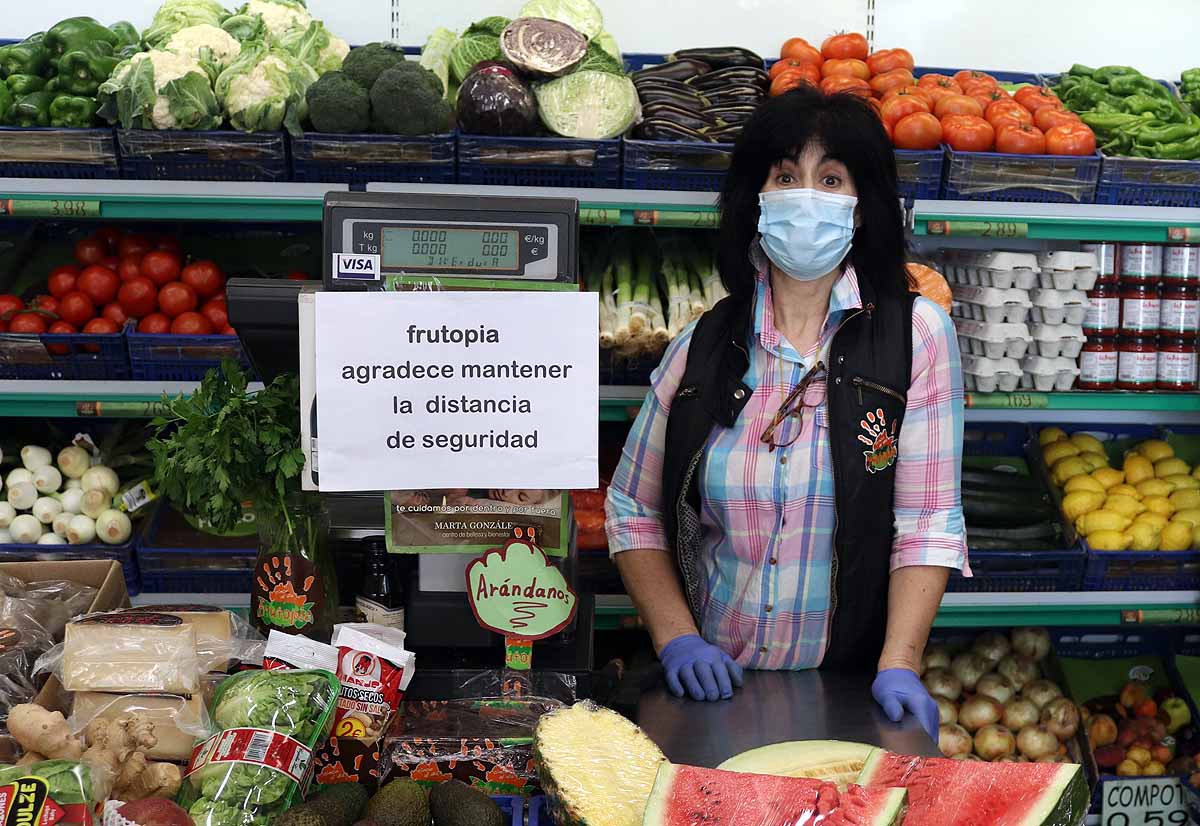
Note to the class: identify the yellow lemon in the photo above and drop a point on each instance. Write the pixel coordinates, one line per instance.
(1087, 443)
(1182, 481)
(1138, 469)
(1078, 483)
(1051, 453)
(1185, 499)
(1155, 450)
(1108, 476)
(1190, 515)
(1094, 461)
(1109, 540)
(1159, 504)
(1127, 506)
(1076, 504)
(1177, 536)
(1156, 519)
(1170, 467)
(1125, 490)
(1101, 520)
(1050, 434)
(1144, 537)
(1155, 487)
(1065, 469)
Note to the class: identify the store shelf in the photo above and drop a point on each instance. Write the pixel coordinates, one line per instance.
(112, 399)
(1080, 222)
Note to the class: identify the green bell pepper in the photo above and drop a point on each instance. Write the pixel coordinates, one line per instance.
(25, 84)
(84, 68)
(1079, 70)
(1188, 150)
(72, 111)
(1191, 77)
(29, 57)
(31, 110)
(6, 102)
(75, 32)
(127, 35)
(1106, 73)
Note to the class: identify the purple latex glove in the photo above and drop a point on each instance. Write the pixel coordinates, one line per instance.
(703, 670)
(898, 690)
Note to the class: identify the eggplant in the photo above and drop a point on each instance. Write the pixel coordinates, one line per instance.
(726, 134)
(661, 129)
(691, 101)
(680, 115)
(673, 69)
(664, 83)
(735, 94)
(733, 75)
(720, 57)
(737, 113)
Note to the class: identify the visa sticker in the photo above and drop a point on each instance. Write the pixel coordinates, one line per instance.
(352, 267)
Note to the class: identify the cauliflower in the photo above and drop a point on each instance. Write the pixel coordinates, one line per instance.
(331, 57)
(279, 17)
(205, 42)
(263, 90)
(183, 94)
(168, 66)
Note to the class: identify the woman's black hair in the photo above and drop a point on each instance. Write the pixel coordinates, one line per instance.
(850, 132)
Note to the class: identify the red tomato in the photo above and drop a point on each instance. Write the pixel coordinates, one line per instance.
(216, 312)
(191, 324)
(62, 280)
(846, 45)
(986, 95)
(967, 133)
(958, 105)
(934, 80)
(942, 91)
(60, 327)
(115, 313)
(154, 323)
(76, 308)
(10, 304)
(888, 60)
(175, 299)
(161, 267)
(1010, 108)
(845, 67)
(1048, 117)
(110, 261)
(100, 284)
(801, 51)
(883, 83)
(782, 65)
(920, 130)
(1000, 121)
(134, 244)
(99, 326)
(841, 83)
(111, 236)
(790, 79)
(1035, 97)
(1071, 139)
(168, 243)
(129, 267)
(138, 297)
(902, 106)
(228, 331)
(971, 76)
(90, 251)
(913, 91)
(27, 323)
(45, 303)
(204, 277)
(1020, 140)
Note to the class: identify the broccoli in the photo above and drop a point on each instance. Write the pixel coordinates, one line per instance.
(407, 100)
(338, 104)
(365, 64)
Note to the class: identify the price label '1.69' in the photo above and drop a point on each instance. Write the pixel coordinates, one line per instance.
(1144, 802)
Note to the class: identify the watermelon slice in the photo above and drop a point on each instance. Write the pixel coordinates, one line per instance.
(833, 760)
(967, 793)
(691, 796)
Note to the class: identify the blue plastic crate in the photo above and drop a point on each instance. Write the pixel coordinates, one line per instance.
(512, 807)
(489, 161)
(1147, 182)
(357, 160)
(1021, 571)
(675, 165)
(75, 356)
(538, 815)
(58, 153)
(995, 439)
(996, 176)
(640, 60)
(200, 569)
(166, 357)
(920, 173)
(1141, 570)
(222, 155)
(125, 554)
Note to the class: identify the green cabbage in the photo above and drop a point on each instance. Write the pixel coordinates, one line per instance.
(581, 15)
(588, 104)
(599, 60)
(436, 55)
(264, 88)
(609, 43)
(479, 42)
(316, 46)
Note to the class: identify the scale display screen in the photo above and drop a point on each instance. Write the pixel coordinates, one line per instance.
(453, 249)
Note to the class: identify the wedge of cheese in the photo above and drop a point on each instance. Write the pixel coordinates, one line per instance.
(127, 653)
(178, 721)
(213, 626)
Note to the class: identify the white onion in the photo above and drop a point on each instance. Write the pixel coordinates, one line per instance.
(113, 527)
(941, 683)
(1019, 670)
(993, 742)
(73, 484)
(61, 522)
(969, 667)
(1061, 717)
(995, 686)
(81, 529)
(94, 503)
(947, 711)
(22, 495)
(992, 646)
(72, 500)
(954, 741)
(1037, 741)
(74, 461)
(46, 508)
(17, 476)
(25, 529)
(1033, 643)
(7, 514)
(34, 457)
(1019, 713)
(101, 478)
(979, 711)
(47, 479)
(935, 657)
(1041, 692)
(51, 539)
(5, 537)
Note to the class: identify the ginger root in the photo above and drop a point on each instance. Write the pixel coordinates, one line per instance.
(44, 732)
(119, 746)
(155, 780)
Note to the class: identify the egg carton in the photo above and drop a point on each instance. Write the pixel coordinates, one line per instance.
(1058, 340)
(1054, 306)
(1064, 270)
(979, 338)
(1048, 374)
(993, 304)
(987, 375)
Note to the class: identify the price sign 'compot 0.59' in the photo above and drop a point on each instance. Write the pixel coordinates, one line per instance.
(379, 241)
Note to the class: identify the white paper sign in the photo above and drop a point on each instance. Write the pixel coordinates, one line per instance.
(1155, 801)
(454, 389)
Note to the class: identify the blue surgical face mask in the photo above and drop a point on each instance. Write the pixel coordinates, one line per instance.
(806, 233)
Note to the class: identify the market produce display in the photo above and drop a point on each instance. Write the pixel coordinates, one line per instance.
(701, 95)
(1139, 732)
(1150, 501)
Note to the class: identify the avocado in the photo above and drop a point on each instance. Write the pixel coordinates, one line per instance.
(457, 804)
(300, 815)
(340, 804)
(402, 802)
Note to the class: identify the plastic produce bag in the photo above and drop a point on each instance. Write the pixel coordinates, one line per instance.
(76, 597)
(75, 787)
(178, 721)
(252, 769)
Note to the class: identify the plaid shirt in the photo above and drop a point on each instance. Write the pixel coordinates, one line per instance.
(769, 517)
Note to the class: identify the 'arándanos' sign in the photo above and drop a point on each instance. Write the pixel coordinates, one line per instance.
(515, 591)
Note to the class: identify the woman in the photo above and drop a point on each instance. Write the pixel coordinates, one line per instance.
(788, 496)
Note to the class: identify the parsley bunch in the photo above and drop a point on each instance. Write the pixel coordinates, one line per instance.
(221, 446)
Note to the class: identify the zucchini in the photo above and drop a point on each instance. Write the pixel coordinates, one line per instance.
(732, 75)
(977, 544)
(661, 129)
(680, 115)
(997, 478)
(719, 57)
(675, 69)
(1028, 533)
(1000, 512)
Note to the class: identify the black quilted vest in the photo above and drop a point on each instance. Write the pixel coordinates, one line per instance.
(870, 367)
